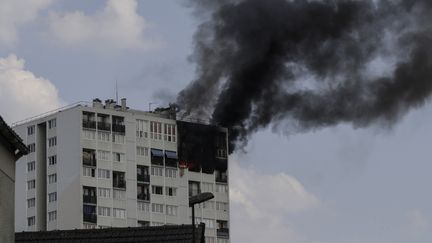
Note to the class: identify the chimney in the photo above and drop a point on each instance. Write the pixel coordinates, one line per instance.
(97, 103)
(123, 104)
(110, 104)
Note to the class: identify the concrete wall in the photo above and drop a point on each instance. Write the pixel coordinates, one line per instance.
(7, 181)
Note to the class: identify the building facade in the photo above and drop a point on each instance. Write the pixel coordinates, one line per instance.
(105, 165)
(11, 149)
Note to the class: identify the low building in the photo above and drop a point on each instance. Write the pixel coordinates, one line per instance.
(11, 149)
(153, 234)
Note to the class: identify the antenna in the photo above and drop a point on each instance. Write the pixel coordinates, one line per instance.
(116, 91)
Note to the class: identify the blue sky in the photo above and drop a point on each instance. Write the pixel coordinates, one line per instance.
(334, 185)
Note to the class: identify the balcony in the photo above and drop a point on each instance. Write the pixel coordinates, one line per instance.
(90, 217)
(119, 184)
(89, 199)
(104, 126)
(143, 178)
(223, 233)
(89, 124)
(118, 128)
(143, 196)
(221, 177)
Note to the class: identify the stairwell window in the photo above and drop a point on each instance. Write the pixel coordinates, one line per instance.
(52, 178)
(52, 216)
(52, 123)
(119, 213)
(52, 160)
(52, 197)
(52, 142)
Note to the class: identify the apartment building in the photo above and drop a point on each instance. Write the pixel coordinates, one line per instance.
(104, 165)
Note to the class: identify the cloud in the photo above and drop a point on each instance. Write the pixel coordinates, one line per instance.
(22, 94)
(117, 26)
(260, 204)
(14, 14)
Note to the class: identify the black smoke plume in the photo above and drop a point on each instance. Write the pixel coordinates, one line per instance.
(308, 64)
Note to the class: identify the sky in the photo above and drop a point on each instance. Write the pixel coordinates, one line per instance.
(332, 185)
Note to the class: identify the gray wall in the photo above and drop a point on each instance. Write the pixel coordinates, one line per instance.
(7, 180)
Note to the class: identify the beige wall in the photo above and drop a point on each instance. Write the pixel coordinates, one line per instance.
(7, 181)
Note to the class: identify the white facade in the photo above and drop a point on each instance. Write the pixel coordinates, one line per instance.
(108, 166)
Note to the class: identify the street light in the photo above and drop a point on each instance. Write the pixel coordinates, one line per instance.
(199, 198)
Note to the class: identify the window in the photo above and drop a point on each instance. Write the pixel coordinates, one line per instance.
(30, 130)
(143, 173)
(52, 142)
(170, 172)
(157, 190)
(89, 134)
(103, 155)
(52, 216)
(31, 166)
(52, 123)
(143, 206)
(207, 187)
(31, 221)
(156, 171)
(88, 120)
(156, 130)
(118, 138)
(104, 174)
(221, 188)
(52, 178)
(31, 202)
(104, 192)
(171, 191)
(119, 194)
(208, 205)
(118, 157)
(157, 157)
(103, 136)
(52, 197)
(89, 195)
(52, 160)
(119, 179)
(157, 208)
(194, 188)
(103, 122)
(142, 151)
(141, 128)
(169, 132)
(118, 124)
(31, 148)
(104, 211)
(221, 206)
(143, 223)
(89, 226)
(171, 159)
(119, 213)
(88, 172)
(31, 184)
(143, 192)
(171, 210)
(89, 157)
(89, 213)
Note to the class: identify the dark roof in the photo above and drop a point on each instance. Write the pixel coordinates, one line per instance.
(153, 234)
(12, 139)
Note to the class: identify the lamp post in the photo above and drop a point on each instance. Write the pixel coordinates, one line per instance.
(199, 198)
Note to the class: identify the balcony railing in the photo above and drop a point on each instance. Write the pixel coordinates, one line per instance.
(89, 161)
(91, 218)
(89, 199)
(223, 178)
(143, 196)
(89, 124)
(104, 126)
(119, 184)
(223, 233)
(118, 128)
(143, 178)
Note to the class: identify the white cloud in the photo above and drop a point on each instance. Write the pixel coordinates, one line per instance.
(260, 204)
(22, 94)
(117, 26)
(14, 14)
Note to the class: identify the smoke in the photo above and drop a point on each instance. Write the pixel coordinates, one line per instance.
(308, 64)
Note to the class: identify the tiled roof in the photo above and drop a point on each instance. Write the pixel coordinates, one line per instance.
(15, 142)
(153, 234)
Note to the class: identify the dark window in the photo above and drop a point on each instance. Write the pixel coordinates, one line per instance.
(143, 173)
(143, 192)
(157, 157)
(222, 229)
(88, 120)
(118, 124)
(194, 188)
(89, 213)
(89, 157)
(119, 180)
(103, 122)
(89, 195)
(171, 159)
(143, 223)
(157, 190)
(221, 176)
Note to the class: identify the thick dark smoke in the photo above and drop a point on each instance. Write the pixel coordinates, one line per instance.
(309, 64)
